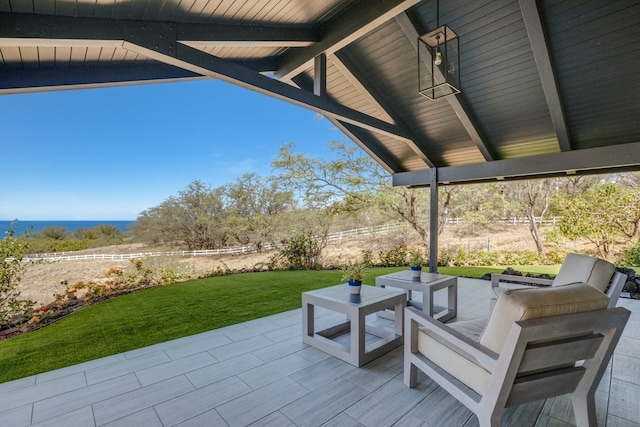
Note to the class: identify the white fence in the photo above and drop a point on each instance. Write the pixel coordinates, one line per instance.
(340, 235)
(71, 256)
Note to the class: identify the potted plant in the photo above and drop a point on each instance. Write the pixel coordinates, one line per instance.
(354, 274)
(416, 261)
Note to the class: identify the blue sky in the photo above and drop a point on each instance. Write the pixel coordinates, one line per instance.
(108, 154)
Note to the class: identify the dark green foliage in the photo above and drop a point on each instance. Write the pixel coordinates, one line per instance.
(300, 252)
(394, 257)
(12, 250)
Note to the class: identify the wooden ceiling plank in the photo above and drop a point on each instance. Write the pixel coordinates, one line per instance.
(456, 102)
(535, 31)
(348, 27)
(374, 148)
(351, 72)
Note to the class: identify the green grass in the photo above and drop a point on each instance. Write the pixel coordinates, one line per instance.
(165, 313)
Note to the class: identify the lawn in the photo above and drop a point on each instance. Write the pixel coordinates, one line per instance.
(165, 313)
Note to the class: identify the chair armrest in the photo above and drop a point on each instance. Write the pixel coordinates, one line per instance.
(497, 277)
(617, 283)
(415, 319)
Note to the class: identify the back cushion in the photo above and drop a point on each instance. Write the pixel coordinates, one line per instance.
(522, 304)
(593, 271)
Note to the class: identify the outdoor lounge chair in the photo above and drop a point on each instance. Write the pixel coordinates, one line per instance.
(576, 268)
(537, 344)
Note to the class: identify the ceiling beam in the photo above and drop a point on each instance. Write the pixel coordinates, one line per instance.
(188, 58)
(350, 70)
(370, 145)
(48, 79)
(538, 40)
(593, 160)
(456, 102)
(48, 30)
(345, 29)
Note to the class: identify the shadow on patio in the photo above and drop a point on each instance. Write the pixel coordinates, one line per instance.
(260, 373)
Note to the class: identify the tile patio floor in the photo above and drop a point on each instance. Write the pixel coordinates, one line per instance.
(260, 373)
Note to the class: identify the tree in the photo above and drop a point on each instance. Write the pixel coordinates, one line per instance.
(533, 198)
(603, 215)
(12, 251)
(193, 218)
(255, 209)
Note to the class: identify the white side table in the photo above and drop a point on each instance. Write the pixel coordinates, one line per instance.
(356, 308)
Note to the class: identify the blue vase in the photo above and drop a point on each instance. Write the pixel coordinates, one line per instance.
(415, 273)
(355, 286)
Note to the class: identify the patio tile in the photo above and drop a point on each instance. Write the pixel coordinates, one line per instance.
(270, 372)
(376, 373)
(285, 333)
(53, 407)
(197, 346)
(257, 329)
(124, 367)
(628, 347)
(42, 391)
(213, 373)
(17, 384)
(623, 402)
(256, 405)
(275, 419)
(97, 363)
(163, 346)
(174, 368)
(237, 348)
(440, 406)
(613, 421)
(342, 420)
(280, 349)
(320, 406)
(388, 404)
(313, 353)
(17, 417)
(547, 421)
(211, 418)
(146, 418)
(321, 373)
(82, 417)
(200, 401)
(134, 401)
(626, 368)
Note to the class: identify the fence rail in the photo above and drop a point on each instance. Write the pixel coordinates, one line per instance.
(71, 256)
(332, 237)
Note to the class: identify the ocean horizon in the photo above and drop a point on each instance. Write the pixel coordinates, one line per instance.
(36, 225)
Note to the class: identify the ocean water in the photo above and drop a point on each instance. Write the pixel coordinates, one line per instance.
(33, 226)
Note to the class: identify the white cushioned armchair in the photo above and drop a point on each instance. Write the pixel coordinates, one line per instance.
(536, 344)
(576, 268)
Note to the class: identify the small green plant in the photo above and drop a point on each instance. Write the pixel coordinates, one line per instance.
(416, 259)
(354, 271)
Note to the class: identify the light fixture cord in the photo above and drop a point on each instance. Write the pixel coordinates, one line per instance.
(437, 13)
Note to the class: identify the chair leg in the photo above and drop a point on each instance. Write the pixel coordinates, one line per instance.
(489, 420)
(410, 374)
(584, 408)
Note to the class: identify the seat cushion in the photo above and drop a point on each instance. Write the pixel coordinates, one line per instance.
(593, 271)
(521, 304)
(460, 364)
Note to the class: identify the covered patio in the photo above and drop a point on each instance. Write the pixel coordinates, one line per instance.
(547, 88)
(260, 373)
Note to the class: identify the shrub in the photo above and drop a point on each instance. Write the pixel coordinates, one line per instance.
(12, 307)
(631, 256)
(301, 252)
(394, 257)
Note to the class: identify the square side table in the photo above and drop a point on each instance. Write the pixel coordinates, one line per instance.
(356, 308)
(428, 284)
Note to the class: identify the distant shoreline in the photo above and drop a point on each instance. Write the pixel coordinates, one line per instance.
(36, 225)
